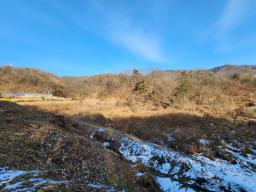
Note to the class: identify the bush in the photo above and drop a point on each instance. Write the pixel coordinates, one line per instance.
(235, 76)
(59, 92)
(182, 89)
(141, 87)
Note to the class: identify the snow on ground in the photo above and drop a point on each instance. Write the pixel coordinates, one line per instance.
(243, 160)
(204, 141)
(248, 160)
(168, 185)
(103, 187)
(18, 180)
(99, 131)
(170, 137)
(106, 144)
(139, 174)
(199, 171)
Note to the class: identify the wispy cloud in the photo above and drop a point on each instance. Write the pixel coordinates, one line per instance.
(121, 26)
(139, 42)
(135, 38)
(233, 16)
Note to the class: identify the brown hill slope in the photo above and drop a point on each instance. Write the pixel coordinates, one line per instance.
(231, 69)
(59, 150)
(200, 88)
(28, 80)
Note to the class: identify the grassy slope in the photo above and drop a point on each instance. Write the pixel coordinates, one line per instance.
(27, 80)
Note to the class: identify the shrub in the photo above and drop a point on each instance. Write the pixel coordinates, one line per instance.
(58, 91)
(182, 89)
(235, 76)
(141, 87)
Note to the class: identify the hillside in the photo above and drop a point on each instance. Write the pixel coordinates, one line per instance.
(28, 80)
(182, 131)
(231, 69)
(46, 151)
(218, 90)
(33, 80)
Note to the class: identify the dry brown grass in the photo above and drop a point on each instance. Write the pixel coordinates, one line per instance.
(202, 91)
(187, 126)
(189, 104)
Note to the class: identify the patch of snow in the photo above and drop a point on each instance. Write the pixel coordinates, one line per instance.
(214, 173)
(42, 181)
(231, 147)
(98, 131)
(13, 180)
(6, 174)
(204, 141)
(243, 160)
(168, 185)
(14, 186)
(253, 150)
(139, 174)
(106, 144)
(170, 137)
(97, 186)
(229, 175)
(170, 140)
(92, 136)
(236, 153)
(101, 186)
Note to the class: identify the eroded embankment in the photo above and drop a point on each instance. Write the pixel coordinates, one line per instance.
(174, 171)
(44, 151)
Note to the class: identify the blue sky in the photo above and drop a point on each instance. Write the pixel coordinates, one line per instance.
(85, 37)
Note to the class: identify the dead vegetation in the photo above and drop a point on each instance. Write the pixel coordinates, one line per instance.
(197, 91)
(32, 139)
(189, 111)
(180, 131)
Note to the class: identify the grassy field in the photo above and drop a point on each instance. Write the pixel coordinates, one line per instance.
(186, 126)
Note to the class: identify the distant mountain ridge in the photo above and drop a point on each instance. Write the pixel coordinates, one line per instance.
(229, 69)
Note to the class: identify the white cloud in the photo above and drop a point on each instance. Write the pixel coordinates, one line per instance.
(234, 14)
(125, 30)
(136, 39)
(119, 25)
(140, 43)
